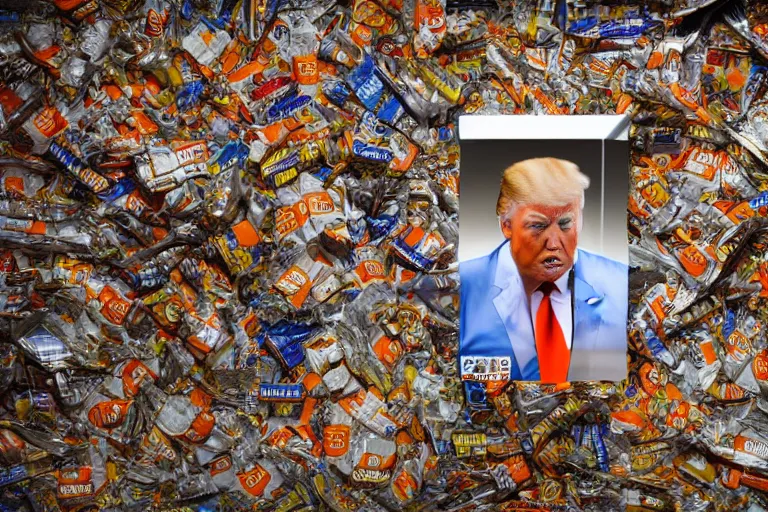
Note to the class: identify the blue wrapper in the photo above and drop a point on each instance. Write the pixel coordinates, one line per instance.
(655, 345)
(119, 189)
(232, 154)
(323, 173)
(287, 106)
(475, 394)
(526, 443)
(281, 392)
(370, 152)
(470, 5)
(364, 82)
(356, 230)
(445, 134)
(351, 293)
(560, 17)
(667, 141)
(189, 95)
(600, 449)
(224, 15)
(729, 323)
(632, 26)
(13, 474)
(187, 9)
(576, 434)
(583, 26)
(442, 446)
(146, 278)
(381, 226)
(65, 158)
(289, 354)
(759, 201)
(337, 93)
(285, 340)
(390, 110)
(9, 17)
(411, 254)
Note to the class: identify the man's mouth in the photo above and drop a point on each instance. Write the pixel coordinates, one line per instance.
(552, 262)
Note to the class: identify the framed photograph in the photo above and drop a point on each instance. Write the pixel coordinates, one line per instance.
(543, 249)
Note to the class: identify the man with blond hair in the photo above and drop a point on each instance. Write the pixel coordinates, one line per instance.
(538, 308)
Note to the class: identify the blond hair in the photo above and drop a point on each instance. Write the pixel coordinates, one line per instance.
(548, 181)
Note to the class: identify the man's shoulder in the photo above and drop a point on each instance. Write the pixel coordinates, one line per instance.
(591, 261)
(606, 275)
(475, 274)
(476, 266)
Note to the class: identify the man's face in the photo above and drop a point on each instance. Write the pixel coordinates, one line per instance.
(543, 240)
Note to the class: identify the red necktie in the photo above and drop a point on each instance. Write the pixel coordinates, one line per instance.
(553, 353)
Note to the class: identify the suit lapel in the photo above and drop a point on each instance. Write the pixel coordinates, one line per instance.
(509, 302)
(586, 326)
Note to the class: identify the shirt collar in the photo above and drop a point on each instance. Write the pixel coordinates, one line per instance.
(562, 282)
(506, 270)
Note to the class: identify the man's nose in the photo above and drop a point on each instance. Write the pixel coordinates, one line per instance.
(552, 242)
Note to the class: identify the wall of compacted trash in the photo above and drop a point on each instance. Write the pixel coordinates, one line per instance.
(228, 238)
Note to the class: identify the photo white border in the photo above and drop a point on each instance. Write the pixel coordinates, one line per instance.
(571, 127)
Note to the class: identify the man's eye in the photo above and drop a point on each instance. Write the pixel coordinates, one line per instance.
(538, 227)
(565, 224)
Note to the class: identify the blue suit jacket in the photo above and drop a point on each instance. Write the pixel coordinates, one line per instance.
(495, 321)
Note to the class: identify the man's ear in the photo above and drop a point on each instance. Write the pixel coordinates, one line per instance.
(506, 227)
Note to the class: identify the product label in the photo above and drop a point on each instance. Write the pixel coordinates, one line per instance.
(75, 490)
(289, 218)
(114, 307)
(336, 440)
(221, 465)
(50, 122)
(369, 270)
(192, 153)
(155, 23)
(760, 365)
(468, 444)
(319, 203)
(752, 446)
(305, 68)
(255, 481)
(370, 476)
(295, 283)
(483, 368)
(281, 392)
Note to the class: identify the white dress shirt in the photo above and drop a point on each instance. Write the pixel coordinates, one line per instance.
(560, 298)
